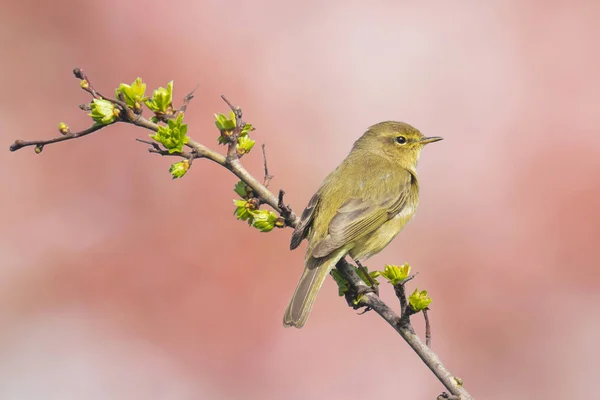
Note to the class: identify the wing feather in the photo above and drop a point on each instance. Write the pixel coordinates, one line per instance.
(303, 226)
(358, 217)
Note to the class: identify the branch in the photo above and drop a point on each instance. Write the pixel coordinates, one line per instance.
(186, 101)
(286, 212)
(404, 329)
(232, 154)
(427, 328)
(268, 177)
(156, 149)
(400, 291)
(360, 295)
(39, 144)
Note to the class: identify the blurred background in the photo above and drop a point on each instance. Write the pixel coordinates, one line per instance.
(118, 283)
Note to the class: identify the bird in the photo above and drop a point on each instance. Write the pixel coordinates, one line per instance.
(359, 208)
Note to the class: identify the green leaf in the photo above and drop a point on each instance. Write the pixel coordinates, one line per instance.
(246, 129)
(264, 220)
(243, 190)
(419, 300)
(133, 94)
(103, 112)
(373, 275)
(226, 125)
(343, 286)
(179, 169)
(162, 99)
(243, 210)
(223, 123)
(396, 274)
(222, 139)
(174, 135)
(244, 145)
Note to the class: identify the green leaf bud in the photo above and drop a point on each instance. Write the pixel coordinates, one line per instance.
(396, 274)
(179, 169)
(162, 100)
(419, 300)
(264, 220)
(173, 136)
(63, 128)
(133, 94)
(243, 210)
(246, 129)
(103, 112)
(244, 145)
(243, 190)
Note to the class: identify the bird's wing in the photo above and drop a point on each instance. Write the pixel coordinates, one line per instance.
(305, 221)
(360, 216)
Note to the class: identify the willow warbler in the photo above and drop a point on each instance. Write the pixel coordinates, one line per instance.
(359, 208)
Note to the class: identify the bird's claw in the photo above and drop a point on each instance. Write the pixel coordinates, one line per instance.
(363, 289)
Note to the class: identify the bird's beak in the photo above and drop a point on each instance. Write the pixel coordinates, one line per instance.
(432, 139)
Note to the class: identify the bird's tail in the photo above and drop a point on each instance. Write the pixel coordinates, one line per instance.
(315, 272)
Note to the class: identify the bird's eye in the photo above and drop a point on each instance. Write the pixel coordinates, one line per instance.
(401, 140)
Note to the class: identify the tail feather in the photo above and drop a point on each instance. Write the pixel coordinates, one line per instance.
(315, 273)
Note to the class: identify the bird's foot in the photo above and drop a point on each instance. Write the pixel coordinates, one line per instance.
(359, 293)
(362, 290)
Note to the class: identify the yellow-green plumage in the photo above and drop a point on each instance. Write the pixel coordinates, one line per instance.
(360, 207)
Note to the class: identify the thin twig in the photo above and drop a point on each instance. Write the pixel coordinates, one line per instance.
(427, 328)
(154, 145)
(401, 295)
(400, 291)
(285, 210)
(19, 144)
(89, 87)
(232, 153)
(231, 106)
(268, 177)
(156, 149)
(186, 101)
(365, 272)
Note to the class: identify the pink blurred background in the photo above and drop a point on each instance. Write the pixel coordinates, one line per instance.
(118, 283)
